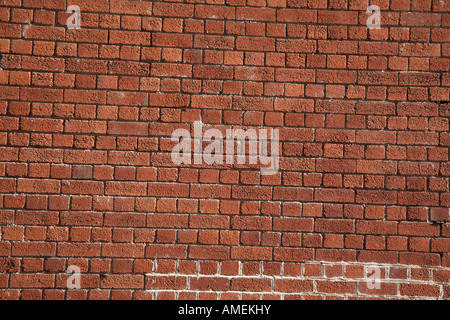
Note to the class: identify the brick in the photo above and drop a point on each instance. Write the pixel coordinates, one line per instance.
(293, 194)
(213, 42)
(81, 187)
(37, 218)
(419, 290)
(336, 287)
(333, 225)
(334, 195)
(210, 191)
(297, 15)
(43, 64)
(207, 71)
(378, 257)
(166, 250)
(439, 214)
(172, 40)
(127, 158)
(123, 250)
(122, 219)
(209, 252)
(411, 18)
(296, 45)
(292, 224)
(32, 281)
(295, 285)
(82, 126)
(33, 248)
(78, 250)
(126, 188)
(41, 94)
(85, 96)
(38, 186)
(292, 254)
(250, 284)
(173, 10)
(167, 189)
(251, 253)
(255, 44)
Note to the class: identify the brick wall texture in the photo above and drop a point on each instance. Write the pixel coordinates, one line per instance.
(87, 178)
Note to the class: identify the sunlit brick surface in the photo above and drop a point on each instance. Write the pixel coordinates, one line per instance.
(87, 177)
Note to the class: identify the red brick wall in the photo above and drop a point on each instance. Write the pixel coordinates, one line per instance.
(87, 180)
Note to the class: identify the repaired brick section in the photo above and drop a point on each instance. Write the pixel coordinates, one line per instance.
(87, 179)
(396, 281)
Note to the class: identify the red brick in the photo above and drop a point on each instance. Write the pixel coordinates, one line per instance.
(122, 281)
(250, 284)
(419, 290)
(86, 170)
(336, 287)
